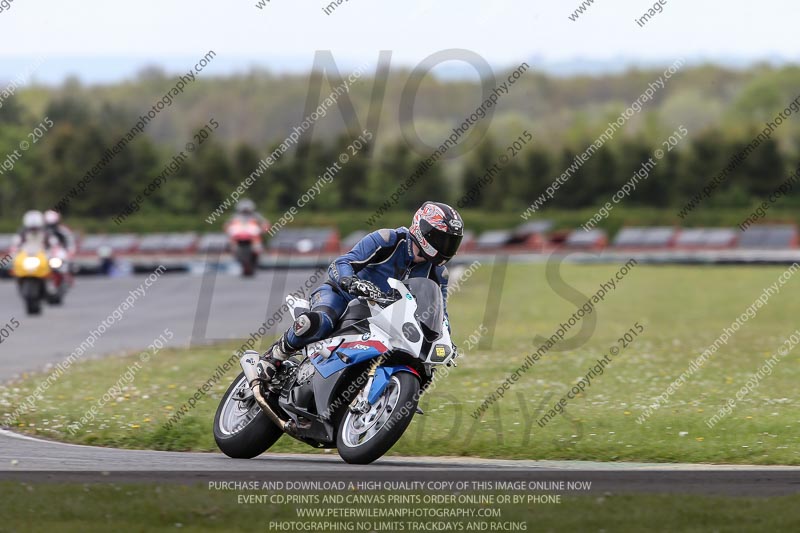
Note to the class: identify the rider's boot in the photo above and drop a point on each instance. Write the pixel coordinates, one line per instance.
(301, 332)
(269, 363)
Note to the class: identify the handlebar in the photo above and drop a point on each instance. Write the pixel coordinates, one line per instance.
(370, 292)
(388, 300)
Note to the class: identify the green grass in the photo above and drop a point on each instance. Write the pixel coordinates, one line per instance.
(88, 508)
(683, 309)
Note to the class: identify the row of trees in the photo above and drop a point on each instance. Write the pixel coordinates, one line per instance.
(81, 136)
(681, 173)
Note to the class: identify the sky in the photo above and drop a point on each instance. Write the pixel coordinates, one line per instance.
(102, 41)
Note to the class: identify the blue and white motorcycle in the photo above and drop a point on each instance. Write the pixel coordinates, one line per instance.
(355, 391)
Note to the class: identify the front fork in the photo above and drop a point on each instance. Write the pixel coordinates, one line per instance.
(360, 403)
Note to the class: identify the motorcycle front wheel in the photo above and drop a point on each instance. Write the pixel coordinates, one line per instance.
(364, 437)
(241, 428)
(31, 290)
(33, 306)
(55, 293)
(247, 258)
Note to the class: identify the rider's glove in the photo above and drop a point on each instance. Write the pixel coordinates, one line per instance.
(347, 282)
(360, 287)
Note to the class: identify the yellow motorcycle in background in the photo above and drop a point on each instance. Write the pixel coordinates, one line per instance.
(32, 270)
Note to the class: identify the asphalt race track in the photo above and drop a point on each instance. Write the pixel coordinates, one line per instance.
(198, 309)
(202, 309)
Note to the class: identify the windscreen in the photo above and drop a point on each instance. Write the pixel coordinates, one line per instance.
(430, 306)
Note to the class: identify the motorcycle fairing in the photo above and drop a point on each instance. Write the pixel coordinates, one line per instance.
(354, 352)
(297, 306)
(318, 395)
(324, 391)
(396, 321)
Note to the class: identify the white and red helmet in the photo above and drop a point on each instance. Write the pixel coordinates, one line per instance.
(52, 217)
(437, 229)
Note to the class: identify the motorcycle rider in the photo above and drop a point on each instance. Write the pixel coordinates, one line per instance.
(418, 251)
(33, 226)
(52, 220)
(245, 230)
(245, 211)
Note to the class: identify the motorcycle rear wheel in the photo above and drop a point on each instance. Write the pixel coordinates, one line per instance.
(241, 428)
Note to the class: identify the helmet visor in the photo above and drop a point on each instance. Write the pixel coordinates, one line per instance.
(445, 243)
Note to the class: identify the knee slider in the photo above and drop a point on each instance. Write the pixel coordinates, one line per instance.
(307, 324)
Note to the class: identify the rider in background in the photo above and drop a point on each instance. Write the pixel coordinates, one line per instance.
(33, 227)
(66, 238)
(246, 211)
(419, 251)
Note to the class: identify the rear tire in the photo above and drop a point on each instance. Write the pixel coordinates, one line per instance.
(390, 417)
(257, 434)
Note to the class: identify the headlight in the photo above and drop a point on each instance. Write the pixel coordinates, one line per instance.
(31, 263)
(55, 263)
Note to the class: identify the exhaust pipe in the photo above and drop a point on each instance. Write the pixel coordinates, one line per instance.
(248, 362)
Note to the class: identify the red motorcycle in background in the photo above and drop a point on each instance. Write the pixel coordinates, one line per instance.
(61, 278)
(245, 242)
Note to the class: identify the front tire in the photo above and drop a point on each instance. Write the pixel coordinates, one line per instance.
(32, 292)
(55, 299)
(363, 438)
(241, 428)
(56, 296)
(247, 259)
(33, 306)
